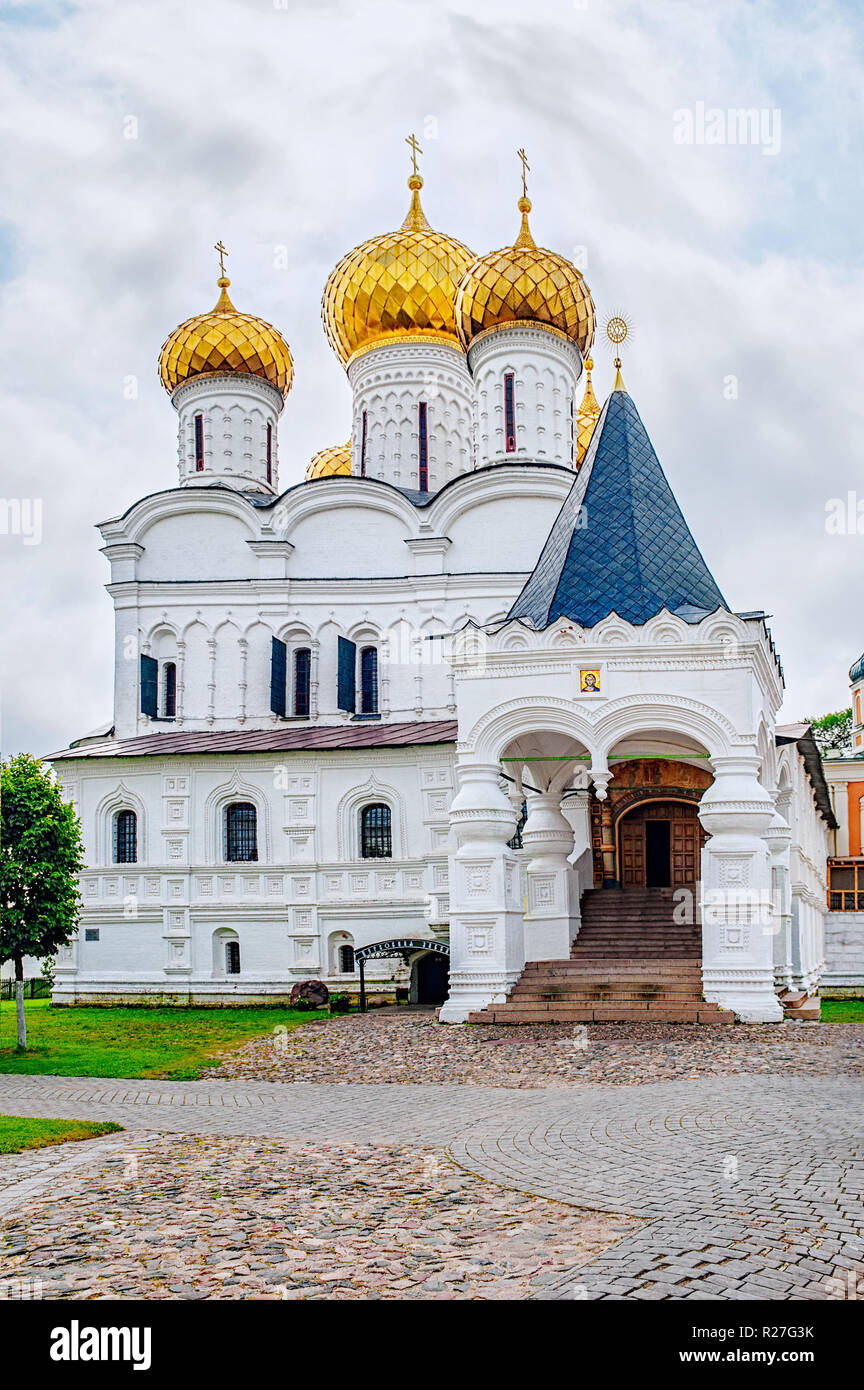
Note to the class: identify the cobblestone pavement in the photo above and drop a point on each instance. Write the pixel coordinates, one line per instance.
(404, 1047)
(159, 1216)
(748, 1187)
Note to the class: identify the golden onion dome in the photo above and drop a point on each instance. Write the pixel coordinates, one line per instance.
(525, 283)
(329, 462)
(226, 341)
(401, 284)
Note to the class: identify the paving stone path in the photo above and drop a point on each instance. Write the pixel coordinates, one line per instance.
(749, 1187)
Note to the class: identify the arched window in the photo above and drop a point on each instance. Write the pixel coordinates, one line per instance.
(363, 446)
(241, 832)
(169, 690)
(302, 681)
(269, 453)
(125, 838)
(232, 957)
(369, 680)
(424, 448)
(509, 415)
(346, 960)
(857, 709)
(376, 835)
(199, 443)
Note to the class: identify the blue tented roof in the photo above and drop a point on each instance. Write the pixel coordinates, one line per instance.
(620, 543)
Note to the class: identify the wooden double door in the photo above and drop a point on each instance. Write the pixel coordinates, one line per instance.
(659, 844)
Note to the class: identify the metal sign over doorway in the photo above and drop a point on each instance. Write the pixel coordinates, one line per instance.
(406, 947)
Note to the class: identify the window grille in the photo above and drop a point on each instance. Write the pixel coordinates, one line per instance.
(232, 958)
(302, 681)
(199, 443)
(125, 838)
(169, 690)
(241, 832)
(369, 680)
(846, 885)
(346, 960)
(376, 838)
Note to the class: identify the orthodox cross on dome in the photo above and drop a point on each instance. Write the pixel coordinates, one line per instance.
(415, 150)
(526, 169)
(223, 252)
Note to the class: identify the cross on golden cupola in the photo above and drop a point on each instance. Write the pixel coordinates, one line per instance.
(399, 285)
(525, 282)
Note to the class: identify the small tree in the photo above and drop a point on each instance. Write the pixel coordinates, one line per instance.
(40, 854)
(833, 732)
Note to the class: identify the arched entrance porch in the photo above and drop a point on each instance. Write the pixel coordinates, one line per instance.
(514, 914)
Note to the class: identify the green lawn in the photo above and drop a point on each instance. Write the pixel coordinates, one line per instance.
(176, 1043)
(843, 1010)
(18, 1132)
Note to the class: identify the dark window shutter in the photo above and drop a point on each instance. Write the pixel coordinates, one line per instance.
(278, 675)
(347, 666)
(149, 686)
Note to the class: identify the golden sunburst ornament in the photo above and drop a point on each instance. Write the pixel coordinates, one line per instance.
(618, 329)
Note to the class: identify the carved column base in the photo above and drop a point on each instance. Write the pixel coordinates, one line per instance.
(487, 950)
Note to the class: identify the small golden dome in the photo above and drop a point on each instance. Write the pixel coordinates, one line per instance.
(587, 415)
(329, 462)
(396, 285)
(226, 341)
(524, 282)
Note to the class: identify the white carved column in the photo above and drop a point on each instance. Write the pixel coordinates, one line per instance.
(180, 706)
(211, 683)
(487, 951)
(576, 809)
(313, 679)
(242, 683)
(778, 838)
(552, 916)
(737, 917)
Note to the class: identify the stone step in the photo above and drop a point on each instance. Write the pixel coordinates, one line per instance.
(507, 1013)
(634, 962)
(810, 1011)
(605, 971)
(605, 996)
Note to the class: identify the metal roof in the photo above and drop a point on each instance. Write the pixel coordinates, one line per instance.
(311, 738)
(802, 736)
(620, 543)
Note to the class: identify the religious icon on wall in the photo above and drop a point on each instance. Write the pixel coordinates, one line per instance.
(589, 682)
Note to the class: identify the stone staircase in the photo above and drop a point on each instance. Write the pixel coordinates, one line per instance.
(631, 963)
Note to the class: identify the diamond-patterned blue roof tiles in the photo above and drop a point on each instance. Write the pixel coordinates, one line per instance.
(620, 543)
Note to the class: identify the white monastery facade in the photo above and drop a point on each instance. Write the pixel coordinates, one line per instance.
(437, 696)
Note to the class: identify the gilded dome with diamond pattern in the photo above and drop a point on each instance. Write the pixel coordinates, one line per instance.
(401, 284)
(329, 462)
(527, 283)
(226, 341)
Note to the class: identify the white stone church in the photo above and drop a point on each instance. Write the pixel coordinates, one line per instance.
(468, 695)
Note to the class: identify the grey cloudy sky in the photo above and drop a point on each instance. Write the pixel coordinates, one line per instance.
(281, 125)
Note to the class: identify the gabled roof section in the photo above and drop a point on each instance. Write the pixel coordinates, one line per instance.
(280, 740)
(620, 542)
